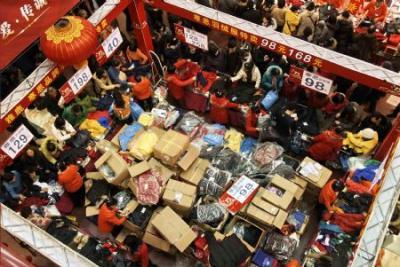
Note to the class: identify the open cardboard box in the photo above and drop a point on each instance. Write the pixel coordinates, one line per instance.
(136, 229)
(132, 145)
(153, 238)
(229, 230)
(314, 172)
(189, 157)
(144, 166)
(104, 145)
(179, 196)
(116, 164)
(171, 147)
(284, 185)
(175, 230)
(196, 171)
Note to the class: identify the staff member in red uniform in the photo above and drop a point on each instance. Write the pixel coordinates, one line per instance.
(176, 86)
(70, 178)
(109, 217)
(143, 92)
(139, 250)
(326, 146)
(329, 194)
(376, 10)
(252, 116)
(219, 108)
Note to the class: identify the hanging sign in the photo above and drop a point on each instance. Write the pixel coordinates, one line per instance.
(191, 37)
(239, 194)
(75, 84)
(316, 82)
(17, 141)
(109, 46)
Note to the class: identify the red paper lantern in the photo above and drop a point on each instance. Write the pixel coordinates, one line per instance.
(70, 41)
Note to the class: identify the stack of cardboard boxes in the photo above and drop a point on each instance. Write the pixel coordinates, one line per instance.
(315, 174)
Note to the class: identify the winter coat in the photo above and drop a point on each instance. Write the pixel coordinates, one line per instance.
(344, 34)
(219, 109)
(292, 20)
(359, 145)
(107, 219)
(176, 86)
(326, 146)
(266, 81)
(279, 15)
(307, 19)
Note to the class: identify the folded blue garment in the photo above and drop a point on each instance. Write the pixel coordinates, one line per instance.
(368, 173)
(248, 145)
(128, 134)
(214, 139)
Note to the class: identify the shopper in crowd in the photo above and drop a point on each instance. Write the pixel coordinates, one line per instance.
(143, 92)
(62, 130)
(249, 75)
(39, 117)
(135, 55)
(219, 106)
(366, 44)
(308, 19)
(307, 35)
(215, 58)
(292, 20)
(121, 108)
(75, 114)
(103, 83)
(337, 102)
(252, 126)
(116, 74)
(40, 220)
(272, 79)
(35, 158)
(13, 185)
(172, 50)
(51, 149)
(176, 85)
(54, 101)
(233, 61)
(377, 122)
(70, 178)
(376, 10)
(322, 33)
(138, 250)
(344, 32)
(349, 117)
(327, 145)
(329, 194)
(278, 13)
(363, 142)
(109, 216)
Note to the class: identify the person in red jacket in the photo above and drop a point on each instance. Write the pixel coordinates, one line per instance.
(328, 195)
(219, 108)
(143, 92)
(109, 217)
(326, 146)
(138, 250)
(176, 85)
(72, 181)
(252, 120)
(376, 10)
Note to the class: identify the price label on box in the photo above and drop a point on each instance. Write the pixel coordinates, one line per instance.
(17, 141)
(316, 82)
(80, 79)
(112, 42)
(239, 194)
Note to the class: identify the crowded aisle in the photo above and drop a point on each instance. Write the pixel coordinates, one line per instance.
(210, 152)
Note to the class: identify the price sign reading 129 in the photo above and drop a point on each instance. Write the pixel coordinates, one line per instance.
(17, 141)
(80, 79)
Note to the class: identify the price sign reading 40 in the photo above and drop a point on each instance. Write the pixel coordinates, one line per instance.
(316, 82)
(80, 79)
(17, 141)
(112, 42)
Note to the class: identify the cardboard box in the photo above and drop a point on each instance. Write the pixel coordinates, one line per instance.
(122, 235)
(314, 172)
(286, 186)
(115, 140)
(140, 147)
(229, 231)
(299, 181)
(171, 147)
(187, 160)
(116, 164)
(138, 230)
(196, 172)
(104, 145)
(91, 211)
(94, 175)
(174, 229)
(179, 196)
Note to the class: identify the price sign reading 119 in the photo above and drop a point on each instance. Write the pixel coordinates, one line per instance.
(17, 141)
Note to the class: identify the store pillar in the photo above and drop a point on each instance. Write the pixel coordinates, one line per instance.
(137, 14)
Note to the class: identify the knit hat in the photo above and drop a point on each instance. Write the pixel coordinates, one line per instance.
(367, 133)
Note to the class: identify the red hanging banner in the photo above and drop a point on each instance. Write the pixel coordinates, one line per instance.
(22, 21)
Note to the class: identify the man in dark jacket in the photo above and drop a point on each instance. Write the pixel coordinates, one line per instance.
(233, 61)
(344, 32)
(215, 59)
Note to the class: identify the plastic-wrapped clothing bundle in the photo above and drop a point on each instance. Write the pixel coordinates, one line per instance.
(247, 146)
(220, 177)
(283, 170)
(98, 189)
(136, 110)
(280, 246)
(146, 119)
(106, 170)
(209, 213)
(247, 232)
(141, 215)
(122, 198)
(233, 162)
(127, 135)
(149, 187)
(212, 134)
(143, 147)
(267, 152)
(210, 152)
(189, 124)
(233, 139)
(294, 163)
(210, 188)
(296, 218)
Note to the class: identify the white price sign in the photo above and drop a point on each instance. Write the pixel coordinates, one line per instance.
(112, 42)
(80, 79)
(242, 189)
(17, 141)
(196, 39)
(316, 82)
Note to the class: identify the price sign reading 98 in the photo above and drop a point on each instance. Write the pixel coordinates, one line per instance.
(80, 79)
(242, 189)
(17, 141)
(316, 82)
